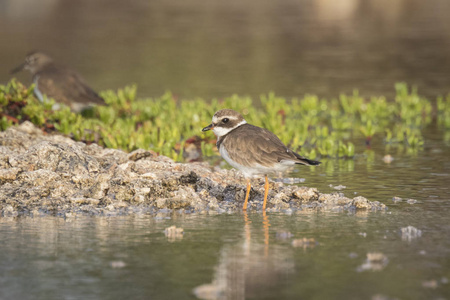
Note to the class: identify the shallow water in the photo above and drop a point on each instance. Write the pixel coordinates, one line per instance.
(235, 256)
(401, 253)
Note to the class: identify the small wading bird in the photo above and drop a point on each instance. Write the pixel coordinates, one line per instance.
(251, 149)
(58, 82)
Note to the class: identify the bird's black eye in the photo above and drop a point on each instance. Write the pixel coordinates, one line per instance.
(225, 120)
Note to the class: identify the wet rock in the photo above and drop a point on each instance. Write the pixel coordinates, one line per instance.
(397, 199)
(117, 264)
(411, 201)
(306, 194)
(361, 202)
(338, 187)
(280, 200)
(388, 158)
(52, 174)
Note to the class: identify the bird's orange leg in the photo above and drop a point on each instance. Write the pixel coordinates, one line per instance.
(266, 192)
(266, 225)
(249, 186)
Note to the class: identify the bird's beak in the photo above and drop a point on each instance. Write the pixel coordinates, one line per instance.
(18, 68)
(209, 127)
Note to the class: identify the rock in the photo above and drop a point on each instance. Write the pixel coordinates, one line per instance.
(306, 194)
(396, 199)
(52, 174)
(8, 175)
(411, 201)
(117, 264)
(339, 187)
(388, 158)
(140, 154)
(361, 202)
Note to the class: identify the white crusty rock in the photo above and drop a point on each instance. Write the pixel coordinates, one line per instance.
(52, 174)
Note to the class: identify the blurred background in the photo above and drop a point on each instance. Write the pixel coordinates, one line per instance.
(216, 48)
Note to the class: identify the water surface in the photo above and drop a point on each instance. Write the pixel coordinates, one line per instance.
(237, 256)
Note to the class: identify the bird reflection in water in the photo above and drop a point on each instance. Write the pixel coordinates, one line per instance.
(249, 268)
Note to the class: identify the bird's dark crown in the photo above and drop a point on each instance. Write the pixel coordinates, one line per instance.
(227, 118)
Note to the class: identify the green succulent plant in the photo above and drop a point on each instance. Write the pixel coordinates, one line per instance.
(318, 128)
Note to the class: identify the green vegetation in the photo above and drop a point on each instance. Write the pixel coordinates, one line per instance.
(322, 128)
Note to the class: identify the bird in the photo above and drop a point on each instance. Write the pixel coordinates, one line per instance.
(58, 82)
(253, 150)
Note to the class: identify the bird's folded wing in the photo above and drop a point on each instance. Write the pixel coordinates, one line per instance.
(257, 146)
(67, 87)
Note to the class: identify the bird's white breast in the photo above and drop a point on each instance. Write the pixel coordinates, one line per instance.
(37, 92)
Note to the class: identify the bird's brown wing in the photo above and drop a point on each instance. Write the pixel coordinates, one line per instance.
(249, 144)
(67, 86)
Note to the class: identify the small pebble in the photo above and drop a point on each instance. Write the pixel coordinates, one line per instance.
(397, 199)
(430, 284)
(340, 187)
(411, 201)
(388, 158)
(118, 264)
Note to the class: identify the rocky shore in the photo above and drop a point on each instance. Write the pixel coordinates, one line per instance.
(51, 174)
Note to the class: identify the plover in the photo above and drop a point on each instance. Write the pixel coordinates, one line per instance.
(58, 82)
(253, 150)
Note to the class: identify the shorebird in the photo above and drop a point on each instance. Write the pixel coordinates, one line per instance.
(253, 150)
(59, 82)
